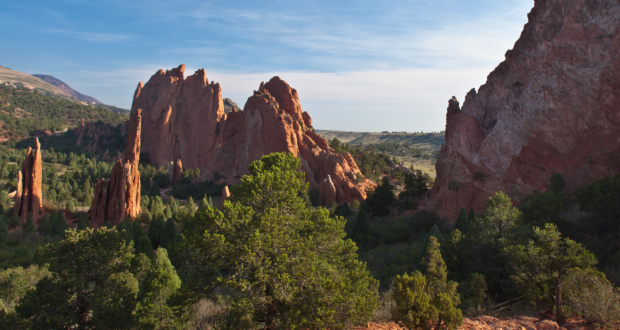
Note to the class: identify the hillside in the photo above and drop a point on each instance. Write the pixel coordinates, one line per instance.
(19, 79)
(417, 149)
(66, 89)
(24, 113)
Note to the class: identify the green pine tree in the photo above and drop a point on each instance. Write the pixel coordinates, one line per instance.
(435, 232)
(462, 223)
(190, 207)
(14, 220)
(28, 227)
(204, 203)
(159, 286)
(83, 223)
(154, 191)
(156, 229)
(472, 216)
(71, 206)
(45, 226)
(361, 230)
(169, 234)
(145, 246)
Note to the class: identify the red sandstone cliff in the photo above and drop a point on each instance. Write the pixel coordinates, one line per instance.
(29, 197)
(184, 119)
(119, 197)
(551, 107)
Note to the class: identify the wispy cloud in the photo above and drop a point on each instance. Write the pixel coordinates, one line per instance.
(95, 37)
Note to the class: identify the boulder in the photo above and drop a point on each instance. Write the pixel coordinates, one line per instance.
(119, 197)
(550, 107)
(184, 119)
(29, 196)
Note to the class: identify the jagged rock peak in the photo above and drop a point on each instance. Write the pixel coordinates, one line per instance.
(550, 107)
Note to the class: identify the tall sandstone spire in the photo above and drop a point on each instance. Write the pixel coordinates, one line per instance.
(119, 197)
(29, 197)
(551, 107)
(185, 119)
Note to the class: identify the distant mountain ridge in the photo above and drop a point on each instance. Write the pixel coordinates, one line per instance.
(66, 89)
(51, 86)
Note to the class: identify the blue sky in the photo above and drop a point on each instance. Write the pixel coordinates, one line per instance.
(357, 65)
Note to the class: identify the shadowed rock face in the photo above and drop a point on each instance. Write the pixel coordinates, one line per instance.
(550, 107)
(184, 119)
(119, 197)
(29, 197)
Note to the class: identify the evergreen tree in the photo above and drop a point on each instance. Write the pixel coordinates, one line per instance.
(540, 266)
(28, 227)
(190, 207)
(154, 191)
(83, 223)
(169, 234)
(205, 203)
(156, 206)
(174, 206)
(361, 229)
(156, 229)
(126, 227)
(379, 202)
(137, 232)
(108, 225)
(557, 183)
(4, 230)
(145, 246)
(160, 285)
(167, 212)
(283, 240)
(14, 220)
(431, 297)
(471, 217)
(435, 232)
(45, 226)
(462, 223)
(89, 287)
(71, 206)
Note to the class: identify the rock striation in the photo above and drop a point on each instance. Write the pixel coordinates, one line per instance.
(184, 119)
(119, 197)
(29, 196)
(551, 107)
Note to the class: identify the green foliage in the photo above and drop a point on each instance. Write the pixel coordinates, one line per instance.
(21, 252)
(14, 220)
(4, 231)
(428, 301)
(190, 207)
(59, 224)
(499, 219)
(266, 238)
(156, 229)
(435, 232)
(169, 234)
(416, 185)
(379, 202)
(45, 226)
(154, 191)
(343, 210)
(28, 227)
(557, 183)
(462, 223)
(361, 228)
(145, 247)
(540, 265)
(589, 293)
(89, 285)
(477, 289)
(16, 282)
(161, 283)
(541, 208)
(83, 223)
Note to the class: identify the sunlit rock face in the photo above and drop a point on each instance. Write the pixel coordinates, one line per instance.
(184, 119)
(550, 107)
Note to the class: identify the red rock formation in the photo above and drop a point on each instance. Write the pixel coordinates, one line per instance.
(29, 196)
(327, 191)
(119, 197)
(225, 195)
(184, 119)
(550, 107)
(178, 171)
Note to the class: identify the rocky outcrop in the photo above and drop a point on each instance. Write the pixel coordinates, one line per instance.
(327, 191)
(550, 107)
(178, 171)
(119, 197)
(225, 195)
(184, 119)
(29, 196)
